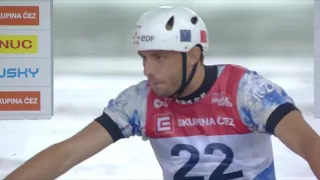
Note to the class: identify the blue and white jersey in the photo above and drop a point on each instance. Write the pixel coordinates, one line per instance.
(224, 135)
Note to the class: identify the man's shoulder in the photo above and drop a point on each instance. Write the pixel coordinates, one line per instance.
(221, 67)
(140, 88)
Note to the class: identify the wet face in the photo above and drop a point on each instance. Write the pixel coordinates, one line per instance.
(163, 70)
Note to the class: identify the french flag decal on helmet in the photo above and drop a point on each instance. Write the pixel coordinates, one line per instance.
(185, 35)
(203, 36)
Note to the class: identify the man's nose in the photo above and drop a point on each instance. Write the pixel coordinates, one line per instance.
(149, 68)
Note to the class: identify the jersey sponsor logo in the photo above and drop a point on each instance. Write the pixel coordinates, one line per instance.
(207, 121)
(221, 100)
(170, 125)
(196, 99)
(164, 123)
(158, 103)
(261, 87)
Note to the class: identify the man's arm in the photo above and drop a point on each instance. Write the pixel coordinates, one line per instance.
(59, 158)
(266, 108)
(297, 135)
(120, 119)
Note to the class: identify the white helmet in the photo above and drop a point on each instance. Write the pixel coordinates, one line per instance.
(170, 28)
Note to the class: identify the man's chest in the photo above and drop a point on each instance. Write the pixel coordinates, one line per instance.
(201, 119)
(197, 141)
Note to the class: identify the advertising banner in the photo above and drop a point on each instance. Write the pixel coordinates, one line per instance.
(26, 71)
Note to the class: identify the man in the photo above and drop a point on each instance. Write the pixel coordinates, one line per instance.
(203, 122)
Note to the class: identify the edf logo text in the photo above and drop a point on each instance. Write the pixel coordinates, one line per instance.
(147, 38)
(19, 72)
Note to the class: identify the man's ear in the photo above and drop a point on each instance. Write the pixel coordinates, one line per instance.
(194, 55)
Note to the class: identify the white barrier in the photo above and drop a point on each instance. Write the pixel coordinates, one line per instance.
(317, 58)
(26, 62)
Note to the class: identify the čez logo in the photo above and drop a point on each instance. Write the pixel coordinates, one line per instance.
(19, 72)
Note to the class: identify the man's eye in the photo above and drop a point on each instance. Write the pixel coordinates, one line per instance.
(160, 57)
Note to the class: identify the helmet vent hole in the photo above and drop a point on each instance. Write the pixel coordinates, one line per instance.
(169, 25)
(194, 20)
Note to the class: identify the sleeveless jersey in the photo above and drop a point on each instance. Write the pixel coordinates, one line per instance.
(221, 136)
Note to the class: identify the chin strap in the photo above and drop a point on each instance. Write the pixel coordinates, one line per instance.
(185, 81)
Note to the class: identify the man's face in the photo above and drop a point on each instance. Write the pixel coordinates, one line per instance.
(163, 70)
